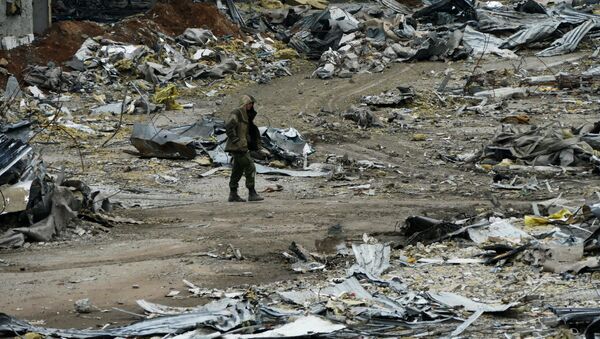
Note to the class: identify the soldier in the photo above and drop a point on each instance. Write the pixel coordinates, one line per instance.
(242, 137)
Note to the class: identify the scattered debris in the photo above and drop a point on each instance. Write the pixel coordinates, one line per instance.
(84, 306)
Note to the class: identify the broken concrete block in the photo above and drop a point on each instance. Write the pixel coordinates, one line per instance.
(10, 42)
(83, 306)
(12, 91)
(503, 93)
(389, 53)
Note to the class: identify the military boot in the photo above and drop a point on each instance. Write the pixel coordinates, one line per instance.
(234, 197)
(253, 196)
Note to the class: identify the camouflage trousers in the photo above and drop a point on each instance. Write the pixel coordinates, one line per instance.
(243, 165)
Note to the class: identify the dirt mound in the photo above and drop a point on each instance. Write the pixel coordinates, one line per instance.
(64, 38)
(175, 16)
(58, 45)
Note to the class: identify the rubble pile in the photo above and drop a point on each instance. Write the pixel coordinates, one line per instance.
(558, 236)
(286, 147)
(362, 299)
(386, 291)
(365, 37)
(37, 207)
(543, 146)
(64, 38)
(486, 156)
(195, 54)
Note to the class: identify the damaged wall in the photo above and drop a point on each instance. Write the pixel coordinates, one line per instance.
(16, 23)
(104, 10)
(42, 16)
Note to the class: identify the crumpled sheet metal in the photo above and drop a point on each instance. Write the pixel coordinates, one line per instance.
(61, 213)
(197, 36)
(568, 14)
(535, 27)
(272, 70)
(307, 326)
(309, 296)
(286, 143)
(11, 151)
(51, 78)
(533, 32)
(538, 146)
(122, 51)
(586, 319)
(569, 42)
(495, 230)
(261, 169)
(207, 131)
(182, 68)
(395, 6)
(427, 230)
(151, 141)
(506, 21)
(234, 13)
(323, 30)
(214, 306)
(445, 45)
(590, 263)
(223, 321)
(460, 10)
(371, 259)
(330, 63)
(482, 43)
(455, 300)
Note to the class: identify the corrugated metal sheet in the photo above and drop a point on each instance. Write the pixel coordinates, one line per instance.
(11, 151)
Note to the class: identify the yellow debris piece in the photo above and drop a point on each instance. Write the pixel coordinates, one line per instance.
(168, 97)
(419, 137)
(567, 134)
(563, 214)
(271, 4)
(124, 65)
(505, 163)
(317, 4)
(278, 164)
(33, 335)
(533, 221)
(286, 53)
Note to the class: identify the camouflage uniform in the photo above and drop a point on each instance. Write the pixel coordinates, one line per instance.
(242, 137)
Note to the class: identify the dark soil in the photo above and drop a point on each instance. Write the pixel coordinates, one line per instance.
(175, 16)
(64, 38)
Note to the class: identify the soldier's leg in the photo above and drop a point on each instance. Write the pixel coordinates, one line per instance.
(249, 171)
(237, 171)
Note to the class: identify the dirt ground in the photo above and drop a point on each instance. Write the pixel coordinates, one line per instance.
(184, 219)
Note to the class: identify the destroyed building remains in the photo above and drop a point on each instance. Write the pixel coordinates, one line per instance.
(429, 169)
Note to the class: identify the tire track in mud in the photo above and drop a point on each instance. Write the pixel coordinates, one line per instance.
(389, 75)
(333, 104)
(397, 209)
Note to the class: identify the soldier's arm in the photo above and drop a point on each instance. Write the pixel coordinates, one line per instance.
(231, 128)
